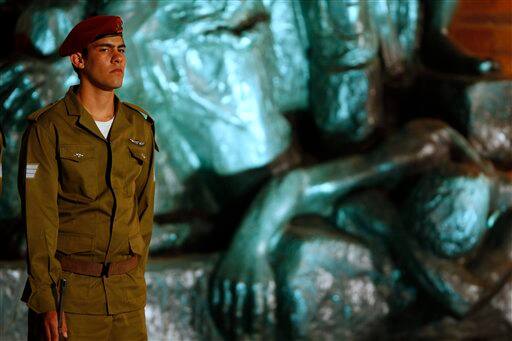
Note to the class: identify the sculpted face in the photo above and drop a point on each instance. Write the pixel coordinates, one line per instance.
(104, 64)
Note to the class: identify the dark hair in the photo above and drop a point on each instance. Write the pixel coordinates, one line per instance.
(85, 53)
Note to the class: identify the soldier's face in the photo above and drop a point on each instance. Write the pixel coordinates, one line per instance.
(105, 63)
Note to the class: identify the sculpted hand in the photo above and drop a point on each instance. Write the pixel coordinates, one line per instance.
(242, 298)
(51, 327)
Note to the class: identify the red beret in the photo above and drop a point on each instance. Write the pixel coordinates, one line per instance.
(89, 30)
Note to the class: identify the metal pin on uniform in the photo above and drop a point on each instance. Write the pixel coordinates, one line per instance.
(137, 142)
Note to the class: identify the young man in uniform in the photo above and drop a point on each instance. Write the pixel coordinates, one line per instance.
(87, 189)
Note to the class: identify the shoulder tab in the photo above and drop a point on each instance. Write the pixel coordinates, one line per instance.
(35, 115)
(139, 110)
(146, 117)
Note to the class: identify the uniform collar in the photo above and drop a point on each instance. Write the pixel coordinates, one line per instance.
(85, 120)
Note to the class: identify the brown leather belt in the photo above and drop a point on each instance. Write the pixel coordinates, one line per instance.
(106, 269)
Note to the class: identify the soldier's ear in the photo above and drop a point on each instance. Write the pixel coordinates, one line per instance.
(77, 60)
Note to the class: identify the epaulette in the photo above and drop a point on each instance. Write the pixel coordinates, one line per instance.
(35, 115)
(146, 117)
(139, 110)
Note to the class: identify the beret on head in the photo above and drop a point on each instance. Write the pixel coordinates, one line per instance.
(89, 30)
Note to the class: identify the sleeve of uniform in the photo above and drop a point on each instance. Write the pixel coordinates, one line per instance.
(39, 189)
(145, 197)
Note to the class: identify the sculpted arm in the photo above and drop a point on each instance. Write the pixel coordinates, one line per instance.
(243, 278)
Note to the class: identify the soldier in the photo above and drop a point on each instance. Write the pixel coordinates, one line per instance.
(87, 189)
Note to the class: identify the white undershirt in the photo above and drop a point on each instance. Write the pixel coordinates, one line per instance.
(104, 127)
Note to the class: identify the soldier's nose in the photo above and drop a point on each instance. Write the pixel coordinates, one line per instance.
(117, 57)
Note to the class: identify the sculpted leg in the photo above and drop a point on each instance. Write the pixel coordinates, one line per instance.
(421, 146)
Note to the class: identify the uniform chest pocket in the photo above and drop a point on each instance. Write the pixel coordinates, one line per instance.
(138, 153)
(78, 172)
(137, 158)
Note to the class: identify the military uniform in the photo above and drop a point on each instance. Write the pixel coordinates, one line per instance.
(89, 199)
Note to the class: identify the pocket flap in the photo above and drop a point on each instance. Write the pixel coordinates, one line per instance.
(137, 244)
(76, 152)
(138, 153)
(70, 243)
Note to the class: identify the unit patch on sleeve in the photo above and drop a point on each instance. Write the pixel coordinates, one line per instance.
(31, 170)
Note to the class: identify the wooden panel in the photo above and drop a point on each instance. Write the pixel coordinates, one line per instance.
(484, 28)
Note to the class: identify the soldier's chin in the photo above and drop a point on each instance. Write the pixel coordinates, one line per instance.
(112, 85)
(116, 84)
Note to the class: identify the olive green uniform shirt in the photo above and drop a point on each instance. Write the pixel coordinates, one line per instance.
(90, 198)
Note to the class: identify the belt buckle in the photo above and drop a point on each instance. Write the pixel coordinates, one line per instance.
(106, 269)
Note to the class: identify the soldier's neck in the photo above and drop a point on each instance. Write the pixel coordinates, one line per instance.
(99, 103)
